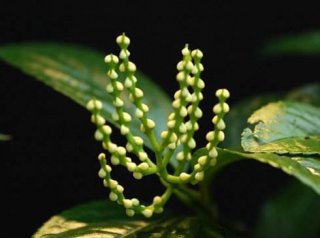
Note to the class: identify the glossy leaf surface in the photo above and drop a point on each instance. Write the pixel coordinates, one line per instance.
(281, 120)
(307, 145)
(236, 119)
(80, 74)
(304, 168)
(107, 220)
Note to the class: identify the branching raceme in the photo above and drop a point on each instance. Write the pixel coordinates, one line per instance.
(177, 141)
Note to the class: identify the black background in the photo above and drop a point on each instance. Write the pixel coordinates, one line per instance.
(51, 165)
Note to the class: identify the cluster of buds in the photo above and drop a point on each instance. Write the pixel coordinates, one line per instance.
(176, 142)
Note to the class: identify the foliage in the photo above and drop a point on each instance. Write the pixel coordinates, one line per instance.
(287, 210)
(296, 44)
(4, 137)
(283, 132)
(104, 219)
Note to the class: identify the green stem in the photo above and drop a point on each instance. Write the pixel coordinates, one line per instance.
(206, 195)
(153, 140)
(195, 195)
(195, 204)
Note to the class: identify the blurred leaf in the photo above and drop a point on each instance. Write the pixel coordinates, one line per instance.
(106, 220)
(281, 120)
(309, 94)
(80, 73)
(297, 44)
(4, 137)
(294, 213)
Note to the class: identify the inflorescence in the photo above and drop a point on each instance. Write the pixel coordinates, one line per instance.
(177, 141)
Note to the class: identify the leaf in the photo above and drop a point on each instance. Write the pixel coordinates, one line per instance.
(80, 74)
(225, 157)
(309, 94)
(297, 44)
(106, 219)
(295, 145)
(280, 127)
(4, 137)
(236, 119)
(304, 168)
(294, 213)
(281, 120)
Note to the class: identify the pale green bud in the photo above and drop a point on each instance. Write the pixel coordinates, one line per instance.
(121, 151)
(128, 83)
(220, 136)
(210, 136)
(184, 176)
(157, 200)
(131, 166)
(199, 176)
(124, 130)
(98, 135)
(137, 175)
(148, 212)
(130, 212)
(115, 160)
(202, 160)
(113, 184)
(127, 203)
(138, 140)
(102, 173)
(113, 196)
(143, 166)
(123, 40)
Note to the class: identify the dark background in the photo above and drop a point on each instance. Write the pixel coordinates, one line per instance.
(51, 165)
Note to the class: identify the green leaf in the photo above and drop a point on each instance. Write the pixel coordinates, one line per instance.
(106, 219)
(297, 44)
(309, 94)
(4, 137)
(281, 120)
(286, 127)
(294, 213)
(80, 74)
(304, 168)
(295, 145)
(225, 158)
(236, 119)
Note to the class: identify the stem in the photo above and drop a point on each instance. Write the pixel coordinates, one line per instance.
(167, 157)
(190, 192)
(206, 195)
(153, 141)
(194, 202)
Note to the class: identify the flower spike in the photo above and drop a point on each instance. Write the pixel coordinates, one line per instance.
(177, 141)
